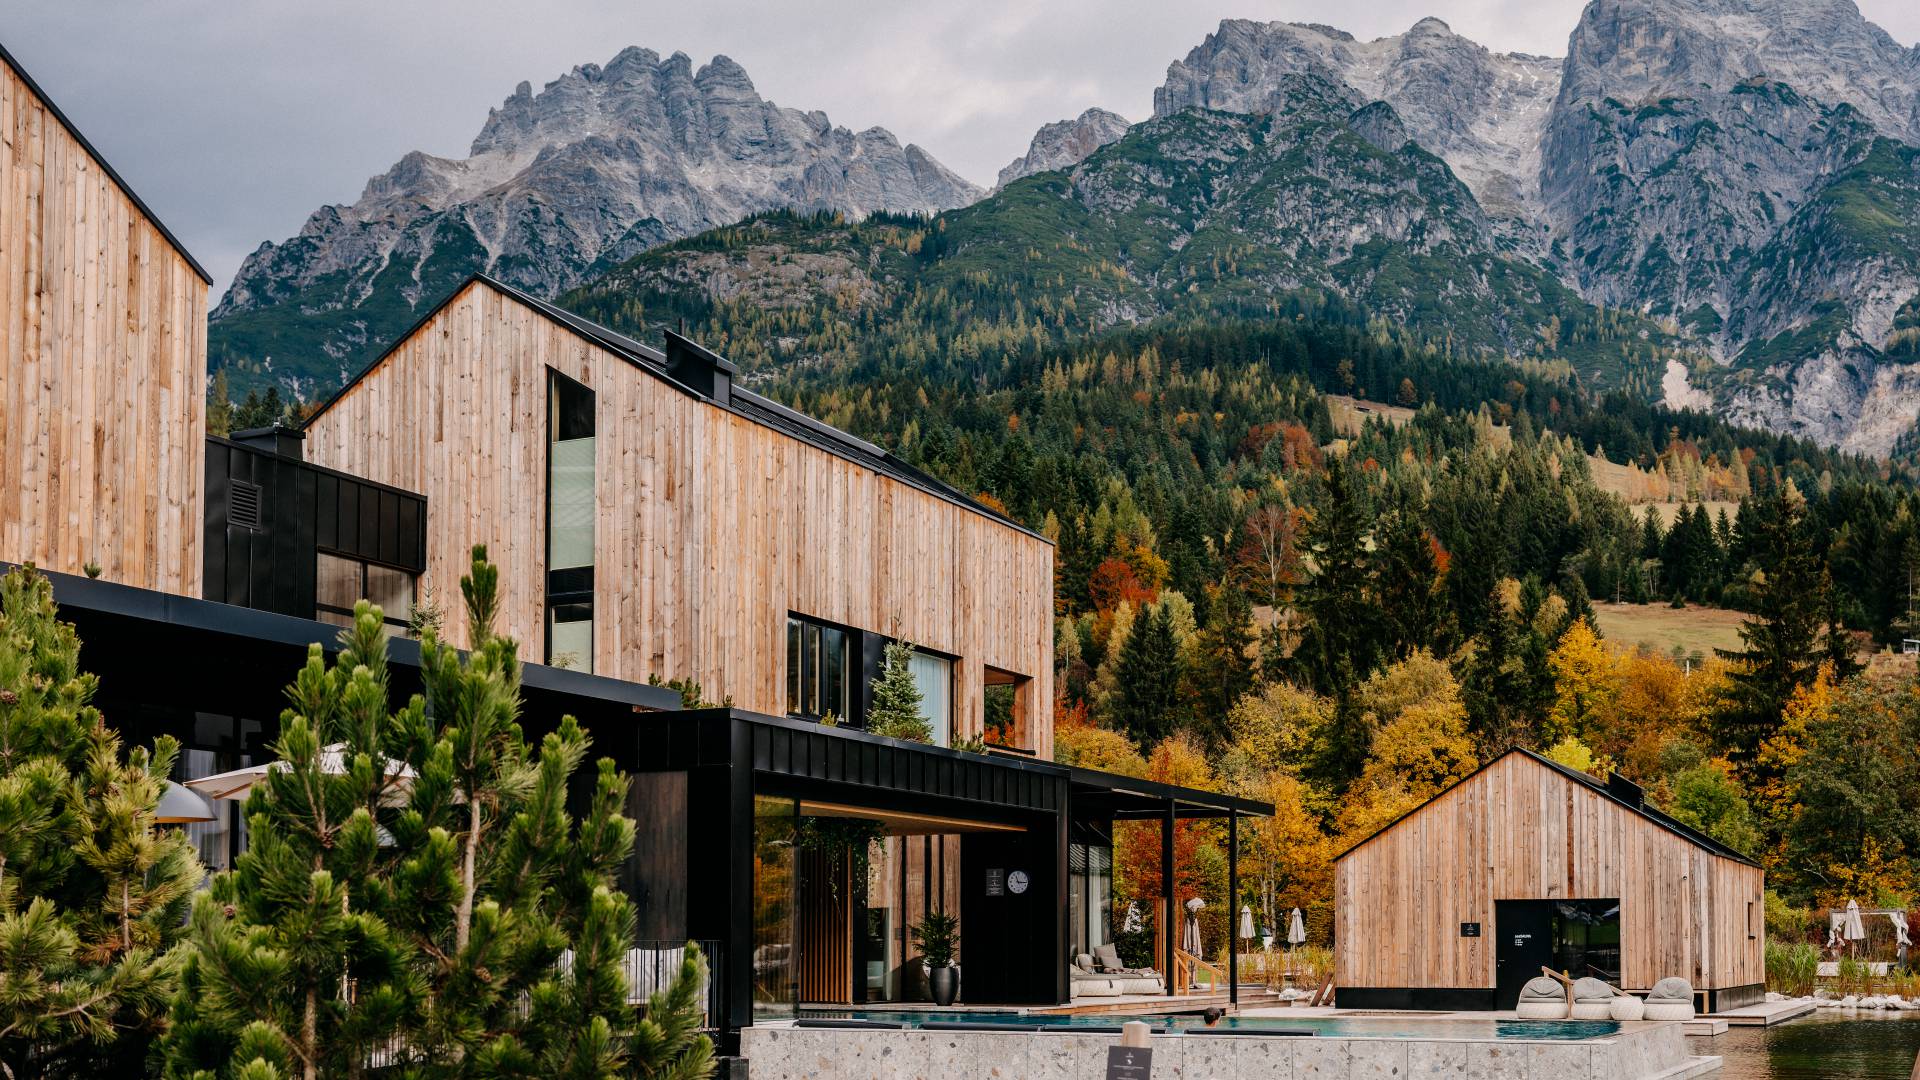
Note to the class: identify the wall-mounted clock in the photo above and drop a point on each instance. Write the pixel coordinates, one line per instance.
(1017, 882)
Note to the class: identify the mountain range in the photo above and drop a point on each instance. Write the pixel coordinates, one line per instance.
(1712, 201)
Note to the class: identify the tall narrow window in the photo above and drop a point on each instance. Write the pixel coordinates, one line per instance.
(570, 517)
(934, 676)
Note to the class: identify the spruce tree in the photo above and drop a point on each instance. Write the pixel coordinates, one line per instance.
(896, 698)
(1341, 642)
(1779, 637)
(1149, 676)
(92, 892)
(1225, 668)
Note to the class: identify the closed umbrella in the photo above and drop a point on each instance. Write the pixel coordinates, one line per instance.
(1296, 933)
(1246, 923)
(1190, 934)
(1856, 930)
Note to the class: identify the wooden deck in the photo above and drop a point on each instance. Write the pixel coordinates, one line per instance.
(1765, 1014)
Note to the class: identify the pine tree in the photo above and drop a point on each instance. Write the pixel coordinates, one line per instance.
(456, 915)
(92, 893)
(895, 712)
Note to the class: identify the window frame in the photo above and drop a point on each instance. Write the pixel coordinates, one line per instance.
(568, 588)
(363, 564)
(797, 680)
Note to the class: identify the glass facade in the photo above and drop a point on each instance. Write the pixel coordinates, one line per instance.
(1089, 896)
(341, 582)
(776, 989)
(1586, 938)
(570, 523)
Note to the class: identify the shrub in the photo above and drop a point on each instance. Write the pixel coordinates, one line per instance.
(1792, 967)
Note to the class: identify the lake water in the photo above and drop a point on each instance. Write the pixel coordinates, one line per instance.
(1824, 1046)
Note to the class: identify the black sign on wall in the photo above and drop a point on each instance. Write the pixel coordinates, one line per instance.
(1129, 1063)
(1469, 929)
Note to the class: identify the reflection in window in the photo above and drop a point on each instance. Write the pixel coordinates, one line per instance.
(934, 676)
(341, 582)
(817, 657)
(776, 991)
(570, 522)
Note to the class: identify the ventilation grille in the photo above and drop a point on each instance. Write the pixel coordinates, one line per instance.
(243, 505)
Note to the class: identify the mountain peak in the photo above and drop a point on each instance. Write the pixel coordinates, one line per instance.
(1431, 25)
(1064, 143)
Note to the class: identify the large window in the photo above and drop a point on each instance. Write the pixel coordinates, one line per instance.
(776, 988)
(817, 664)
(1089, 895)
(340, 582)
(570, 519)
(934, 676)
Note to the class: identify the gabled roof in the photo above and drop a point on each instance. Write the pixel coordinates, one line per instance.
(741, 402)
(1685, 832)
(105, 167)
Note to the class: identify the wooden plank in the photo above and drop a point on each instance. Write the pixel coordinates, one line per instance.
(102, 366)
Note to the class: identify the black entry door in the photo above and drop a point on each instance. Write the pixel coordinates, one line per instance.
(1523, 930)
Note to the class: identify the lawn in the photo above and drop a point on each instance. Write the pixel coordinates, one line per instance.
(1658, 628)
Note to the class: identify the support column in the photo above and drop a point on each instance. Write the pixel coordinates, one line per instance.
(1169, 921)
(1233, 907)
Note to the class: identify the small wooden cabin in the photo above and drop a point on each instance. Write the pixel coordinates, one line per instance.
(103, 361)
(653, 518)
(1526, 863)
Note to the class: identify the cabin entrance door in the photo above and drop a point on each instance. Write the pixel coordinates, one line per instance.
(1523, 935)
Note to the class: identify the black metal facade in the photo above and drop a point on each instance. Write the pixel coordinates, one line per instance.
(268, 514)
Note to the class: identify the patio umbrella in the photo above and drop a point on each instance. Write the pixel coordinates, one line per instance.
(1246, 922)
(1296, 928)
(236, 783)
(1856, 930)
(1190, 934)
(178, 806)
(1132, 923)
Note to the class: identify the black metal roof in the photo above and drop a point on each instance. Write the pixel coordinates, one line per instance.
(1129, 797)
(99, 159)
(739, 401)
(1598, 787)
(228, 651)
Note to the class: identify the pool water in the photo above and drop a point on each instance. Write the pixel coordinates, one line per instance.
(1384, 1027)
(1824, 1046)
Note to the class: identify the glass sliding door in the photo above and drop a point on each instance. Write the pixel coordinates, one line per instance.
(776, 990)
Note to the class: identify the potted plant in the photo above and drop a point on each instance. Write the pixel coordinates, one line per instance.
(937, 937)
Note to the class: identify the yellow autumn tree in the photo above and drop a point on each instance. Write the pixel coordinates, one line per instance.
(1585, 683)
(1420, 742)
(1287, 856)
(1275, 727)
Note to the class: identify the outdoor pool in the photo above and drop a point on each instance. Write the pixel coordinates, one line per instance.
(1385, 1027)
(1824, 1046)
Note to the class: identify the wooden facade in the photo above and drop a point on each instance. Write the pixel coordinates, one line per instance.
(1521, 829)
(711, 526)
(103, 360)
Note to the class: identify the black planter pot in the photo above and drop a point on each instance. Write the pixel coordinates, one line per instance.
(945, 984)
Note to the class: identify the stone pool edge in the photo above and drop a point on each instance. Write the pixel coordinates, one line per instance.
(784, 1052)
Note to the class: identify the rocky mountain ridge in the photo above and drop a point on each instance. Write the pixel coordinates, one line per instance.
(600, 164)
(1065, 143)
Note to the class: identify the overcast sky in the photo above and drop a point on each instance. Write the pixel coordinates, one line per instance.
(235, 119)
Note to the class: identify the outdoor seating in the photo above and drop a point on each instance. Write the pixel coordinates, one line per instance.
(1592, 1000)
(1542, 999)
(1671, 999)
(1625, 1007)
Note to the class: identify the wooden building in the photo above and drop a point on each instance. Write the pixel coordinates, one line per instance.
(652, 518)
(1525, 864)
(103, 361)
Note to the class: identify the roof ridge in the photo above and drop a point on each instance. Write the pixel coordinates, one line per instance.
(100, 159)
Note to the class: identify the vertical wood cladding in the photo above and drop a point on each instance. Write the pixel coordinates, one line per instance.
(103, 360)
(1519, 830)
(711, 527)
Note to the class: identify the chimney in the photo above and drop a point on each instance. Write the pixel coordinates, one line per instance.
(281, 441)
(1626, 791)
(703, 371)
